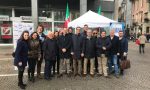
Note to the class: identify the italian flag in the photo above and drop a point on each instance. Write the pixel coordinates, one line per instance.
(67, 18)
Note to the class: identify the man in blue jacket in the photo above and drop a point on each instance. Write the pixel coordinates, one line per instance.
(40, 30)
(123, 48)
(103, 45)
(113, 61)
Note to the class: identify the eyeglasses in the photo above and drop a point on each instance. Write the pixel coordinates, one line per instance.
(94, 33)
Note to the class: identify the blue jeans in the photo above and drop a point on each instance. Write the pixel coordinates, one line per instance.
(113, 61)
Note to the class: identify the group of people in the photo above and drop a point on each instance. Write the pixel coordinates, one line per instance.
(90, 52)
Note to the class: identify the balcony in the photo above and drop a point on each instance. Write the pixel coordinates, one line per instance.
(147, 17)
(134, 22)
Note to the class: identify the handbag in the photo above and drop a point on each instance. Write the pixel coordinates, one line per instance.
(137, 42)
(125, 64)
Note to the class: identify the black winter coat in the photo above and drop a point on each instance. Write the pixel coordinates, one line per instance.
(103, 42)
(123, 45)
(114, 45)
(89, 47)
(77, 46)
(64, 42)
(49, 49)
(21, 53)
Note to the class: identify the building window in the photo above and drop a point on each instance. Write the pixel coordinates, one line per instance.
(22, 12)
(59, 15)
(7, 12)
(58, 26)
(6, 33)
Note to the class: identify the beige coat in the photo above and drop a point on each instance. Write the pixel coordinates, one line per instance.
(142, 39)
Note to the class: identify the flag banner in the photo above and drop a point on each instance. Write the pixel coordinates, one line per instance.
(67, 18)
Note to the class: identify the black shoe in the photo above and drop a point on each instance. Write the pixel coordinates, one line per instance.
(107, 77)
(75, 75)
(99, 75)
(117, 76)
(69, 75)
(22, 86)
(79, 75)
(33, 80)
(52, 75)
(122, 73)
(30, 79)
(59, 76)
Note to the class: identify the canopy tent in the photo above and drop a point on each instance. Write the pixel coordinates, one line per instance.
(92, 19)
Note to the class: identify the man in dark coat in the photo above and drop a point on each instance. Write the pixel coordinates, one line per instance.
(89, 53)
(49, 49)
(77, 51)
(42, 37)
(64, 45)
(103, 45)
(85, 28)
(123, 48)
(113, 61)
(96, 35)
(70, 34)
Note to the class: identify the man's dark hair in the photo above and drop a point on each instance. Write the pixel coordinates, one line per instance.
(86, 25)
(41, 26)
(120, 31)
(78, 27)
(103, 31)
(70, 28)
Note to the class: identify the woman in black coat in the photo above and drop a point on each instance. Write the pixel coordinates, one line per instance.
(21, 57)
(34, 54)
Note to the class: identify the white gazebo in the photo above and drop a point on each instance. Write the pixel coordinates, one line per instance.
(92, 19)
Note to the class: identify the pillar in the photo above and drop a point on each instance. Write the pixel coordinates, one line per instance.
(34, 7)
(83, 6)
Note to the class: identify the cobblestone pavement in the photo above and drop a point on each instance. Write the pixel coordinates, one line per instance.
(135, 78)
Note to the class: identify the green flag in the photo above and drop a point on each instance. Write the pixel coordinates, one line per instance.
(99, 10)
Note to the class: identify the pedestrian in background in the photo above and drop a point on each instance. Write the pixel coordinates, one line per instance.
(49, 51)
(142, 40)
(103, 46)
(89, 48)
(41, 35)
(21, 57)
(34, 54)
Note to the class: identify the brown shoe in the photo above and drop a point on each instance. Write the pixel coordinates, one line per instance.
(92, 75)
(84, 75)
(39, 76)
